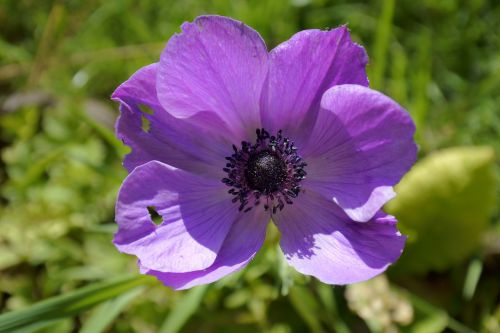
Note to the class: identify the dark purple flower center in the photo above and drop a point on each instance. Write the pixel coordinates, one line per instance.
(268, 172)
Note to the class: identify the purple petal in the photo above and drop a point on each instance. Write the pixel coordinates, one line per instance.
(217, 65)
(180, 143)
(318, 239)
(301, 70)
(197, 215)
(361, 145)
(241, 244)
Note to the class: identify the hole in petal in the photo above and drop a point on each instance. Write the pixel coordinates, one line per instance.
(146, 109)
(155, 217)
(145, 124)
(145, 119)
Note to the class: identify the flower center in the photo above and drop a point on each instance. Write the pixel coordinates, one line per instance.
(268, 172)
(265, 172)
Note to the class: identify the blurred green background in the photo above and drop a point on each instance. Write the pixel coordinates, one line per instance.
(60, 168)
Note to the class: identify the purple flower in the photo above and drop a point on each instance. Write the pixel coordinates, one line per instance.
(239, 135)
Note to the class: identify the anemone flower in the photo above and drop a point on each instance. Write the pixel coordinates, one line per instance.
(237, 136)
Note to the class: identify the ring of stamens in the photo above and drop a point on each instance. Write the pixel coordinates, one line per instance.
(268, 172)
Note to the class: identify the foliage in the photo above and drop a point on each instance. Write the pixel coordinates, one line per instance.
(60, 170)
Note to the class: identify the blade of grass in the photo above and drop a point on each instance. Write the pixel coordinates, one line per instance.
(39, 326)
(434, 323)
(332, 317)
(398, 86)
(307, 307)
(435, 313)
(421, 79)
(183, 310)
(472, 278)
(46, 43)
(69, 304)
(107, 312)
(382, 38)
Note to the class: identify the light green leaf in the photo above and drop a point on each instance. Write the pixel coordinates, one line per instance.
(69, 304)
(183, 310)
(444, 204)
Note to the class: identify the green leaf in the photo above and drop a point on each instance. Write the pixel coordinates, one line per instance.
(183, 310)
(444, 204)
(69, 304)
(107, 312)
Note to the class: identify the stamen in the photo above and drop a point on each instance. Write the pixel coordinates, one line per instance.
(269, 168)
